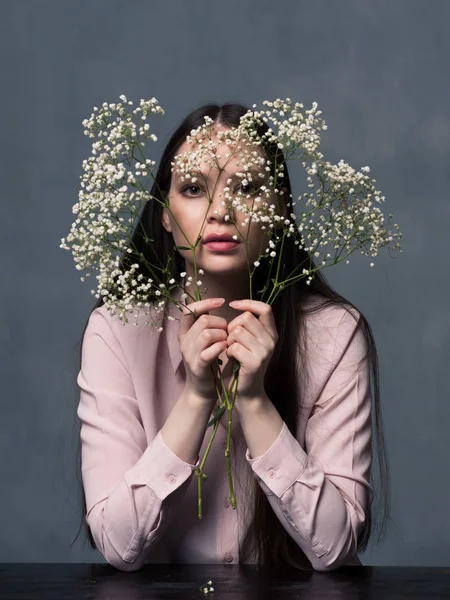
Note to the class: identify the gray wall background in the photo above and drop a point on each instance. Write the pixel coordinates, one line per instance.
(380, 73)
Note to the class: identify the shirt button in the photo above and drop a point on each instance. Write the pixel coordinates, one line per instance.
(226, 503)
(228, 557)
(272, 473)
(171, 478)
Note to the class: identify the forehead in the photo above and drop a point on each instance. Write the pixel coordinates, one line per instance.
(237, 149)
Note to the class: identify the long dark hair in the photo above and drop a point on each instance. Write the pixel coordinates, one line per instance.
(284, 382)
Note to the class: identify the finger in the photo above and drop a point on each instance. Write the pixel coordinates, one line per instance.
(246, 339)
(191, 312)
(262, 313)
(240, 353)
(250, 323)
(214, 351)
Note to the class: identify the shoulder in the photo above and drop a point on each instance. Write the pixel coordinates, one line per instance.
(330, 329)
(332, 347)
(144, 327)
(136, 343)
(330, 317)
(103, 319)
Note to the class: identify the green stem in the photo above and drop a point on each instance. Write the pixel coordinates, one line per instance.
(227, 451)
(199, 470)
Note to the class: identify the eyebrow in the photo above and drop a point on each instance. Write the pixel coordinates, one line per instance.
(253, 171)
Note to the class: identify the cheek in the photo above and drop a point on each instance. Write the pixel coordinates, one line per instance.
(188, 223)
(259, 239)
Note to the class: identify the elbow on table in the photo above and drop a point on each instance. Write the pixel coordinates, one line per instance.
(330, 560)
(122, 565)
(331, 565)
(328, 563)
(131, 561)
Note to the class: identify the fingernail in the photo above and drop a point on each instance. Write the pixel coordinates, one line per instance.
(218, 301)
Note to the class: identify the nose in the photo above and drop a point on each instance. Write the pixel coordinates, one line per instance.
(217, 211)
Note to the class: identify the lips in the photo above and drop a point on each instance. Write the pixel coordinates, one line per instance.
(217, 237)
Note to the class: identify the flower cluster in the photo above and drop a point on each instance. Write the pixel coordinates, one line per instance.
(337, 216)
(205, 589)
(107, 210)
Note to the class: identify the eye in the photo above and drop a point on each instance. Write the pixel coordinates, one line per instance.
(246, 189)
(248, 185)
(190, 187)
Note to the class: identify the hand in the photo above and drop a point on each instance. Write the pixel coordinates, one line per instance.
(202, 339)
(251, 341)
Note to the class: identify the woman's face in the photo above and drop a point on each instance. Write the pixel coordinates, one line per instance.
(189, 203)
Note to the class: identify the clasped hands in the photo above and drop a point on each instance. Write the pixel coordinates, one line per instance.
(252, 337)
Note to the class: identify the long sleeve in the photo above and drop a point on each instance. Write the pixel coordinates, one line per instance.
(130, 486)
(321, 495)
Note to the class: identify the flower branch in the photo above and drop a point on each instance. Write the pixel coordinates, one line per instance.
(337, 216)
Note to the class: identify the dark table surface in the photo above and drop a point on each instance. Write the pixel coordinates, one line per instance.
(64, 581)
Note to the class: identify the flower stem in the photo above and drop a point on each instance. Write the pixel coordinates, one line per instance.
(199, 470)
(227, 451)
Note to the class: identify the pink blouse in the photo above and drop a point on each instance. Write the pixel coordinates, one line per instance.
(141, 498)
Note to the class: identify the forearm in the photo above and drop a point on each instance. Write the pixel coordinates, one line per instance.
(120, 530)
(261, 423)
(324, 520)
(184, 429)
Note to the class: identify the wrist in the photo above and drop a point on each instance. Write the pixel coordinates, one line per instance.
(194, 400)
(254, 403)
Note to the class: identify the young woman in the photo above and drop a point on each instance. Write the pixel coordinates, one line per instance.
(302, 423)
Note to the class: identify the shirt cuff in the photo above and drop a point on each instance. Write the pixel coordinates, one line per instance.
(160, 469)
(281, 465)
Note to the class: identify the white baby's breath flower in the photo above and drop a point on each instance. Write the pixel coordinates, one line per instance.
(338, 212)
(340, 205)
